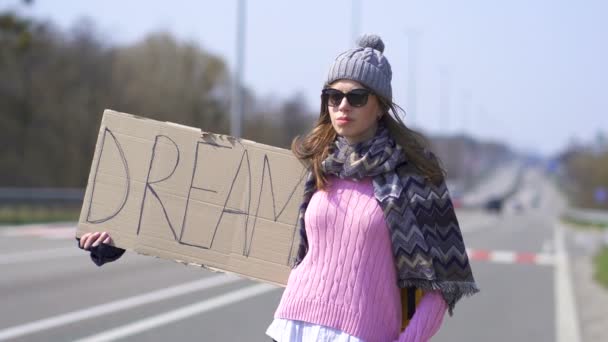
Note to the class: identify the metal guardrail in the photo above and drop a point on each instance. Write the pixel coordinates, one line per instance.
(41, 196)
(589, 216)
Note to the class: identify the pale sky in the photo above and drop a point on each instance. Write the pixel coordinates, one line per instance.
(532, 73)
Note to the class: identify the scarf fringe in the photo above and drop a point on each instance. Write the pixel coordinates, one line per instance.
(452, 291)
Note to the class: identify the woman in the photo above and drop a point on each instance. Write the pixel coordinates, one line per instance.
(378, 228)
(381, 256)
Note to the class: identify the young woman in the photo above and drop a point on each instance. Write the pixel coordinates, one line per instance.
(381, 256)
(381, 248)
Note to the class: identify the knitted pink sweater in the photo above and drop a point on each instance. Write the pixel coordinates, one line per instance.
(347, 281)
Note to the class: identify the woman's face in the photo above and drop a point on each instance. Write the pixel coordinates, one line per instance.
(356, 124)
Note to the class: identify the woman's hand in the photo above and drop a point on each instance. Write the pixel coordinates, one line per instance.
(94, 239)
(101, 246)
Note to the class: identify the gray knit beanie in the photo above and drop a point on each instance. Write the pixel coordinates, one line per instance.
(365, 64)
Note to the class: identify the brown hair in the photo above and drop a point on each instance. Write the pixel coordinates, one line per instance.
(314, 147)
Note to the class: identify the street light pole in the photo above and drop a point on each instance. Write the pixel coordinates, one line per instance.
(412, 65)
(444, 100)
(355, 19)
(236, 117)
(466, 110)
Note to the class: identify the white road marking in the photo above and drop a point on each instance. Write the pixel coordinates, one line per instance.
(115, 306)
(48, 231)
(504, 257)
(510, 257)
(545, 259)
(566, 315)
(45, 254)
(175, 315)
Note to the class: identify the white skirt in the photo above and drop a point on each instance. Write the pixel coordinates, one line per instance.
(285, 330)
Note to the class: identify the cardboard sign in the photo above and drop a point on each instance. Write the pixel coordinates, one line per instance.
(175, 192)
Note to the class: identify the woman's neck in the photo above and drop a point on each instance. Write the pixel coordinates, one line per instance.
(363, 137)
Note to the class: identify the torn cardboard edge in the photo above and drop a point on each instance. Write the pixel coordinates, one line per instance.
(176, 192)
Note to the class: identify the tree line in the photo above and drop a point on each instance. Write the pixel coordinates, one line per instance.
(584, 176)
(55, 84)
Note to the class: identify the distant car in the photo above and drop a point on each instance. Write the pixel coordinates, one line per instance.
(518, 206)
(494, 204)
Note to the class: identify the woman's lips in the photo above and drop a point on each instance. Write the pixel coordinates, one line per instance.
(343, 121)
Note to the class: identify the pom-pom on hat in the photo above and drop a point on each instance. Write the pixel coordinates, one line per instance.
(365, 64)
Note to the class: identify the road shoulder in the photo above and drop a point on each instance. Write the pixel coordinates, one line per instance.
(591, 298)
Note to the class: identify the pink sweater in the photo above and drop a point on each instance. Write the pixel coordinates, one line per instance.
(347, 281)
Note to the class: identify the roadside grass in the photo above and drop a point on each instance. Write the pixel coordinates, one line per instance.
(600, 262)
(585, 224)
(17, 215)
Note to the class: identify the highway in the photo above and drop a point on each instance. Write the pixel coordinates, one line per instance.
(51, 291)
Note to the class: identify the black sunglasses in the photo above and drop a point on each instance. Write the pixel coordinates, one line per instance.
(356, 97)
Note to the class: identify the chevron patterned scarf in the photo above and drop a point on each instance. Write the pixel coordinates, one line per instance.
(427, 244)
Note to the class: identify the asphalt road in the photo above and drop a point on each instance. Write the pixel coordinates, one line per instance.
(51, 291)
(496, 185)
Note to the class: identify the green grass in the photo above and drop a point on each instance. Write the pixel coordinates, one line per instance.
(28, 214)
(600, 262)
(585, 224)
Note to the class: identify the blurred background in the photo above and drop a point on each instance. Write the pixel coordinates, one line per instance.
(510, 95)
